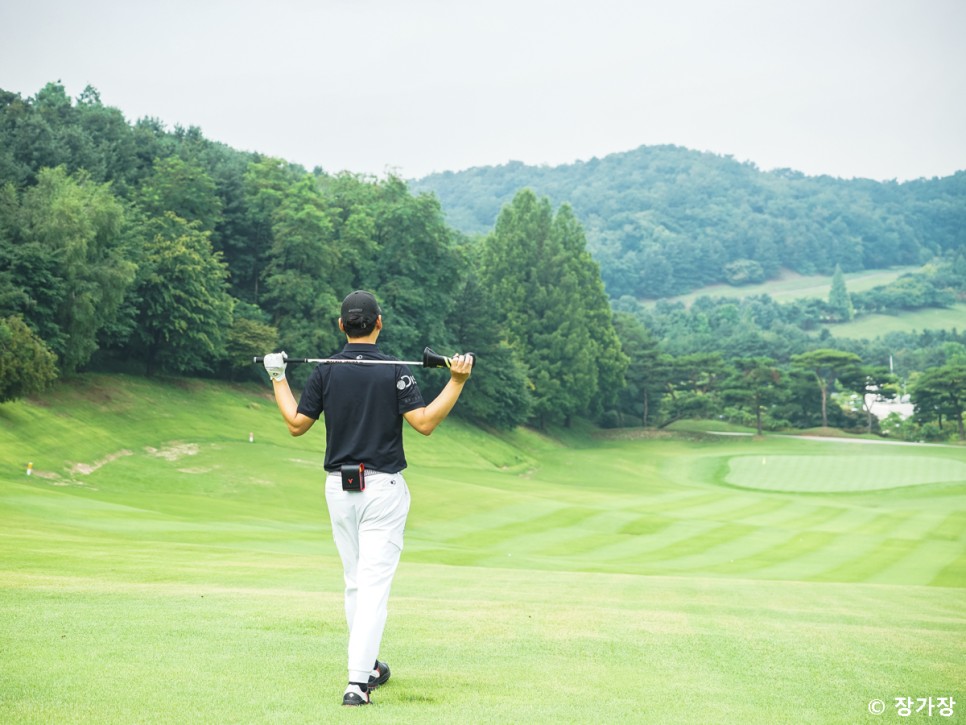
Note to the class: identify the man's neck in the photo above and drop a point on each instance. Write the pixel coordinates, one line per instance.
(367, 340)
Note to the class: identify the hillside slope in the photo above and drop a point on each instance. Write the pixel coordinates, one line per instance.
(664, 220)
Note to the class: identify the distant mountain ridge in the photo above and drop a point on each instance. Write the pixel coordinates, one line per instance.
(665, 220)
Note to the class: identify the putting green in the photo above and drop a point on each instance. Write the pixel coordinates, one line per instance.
(830, 474)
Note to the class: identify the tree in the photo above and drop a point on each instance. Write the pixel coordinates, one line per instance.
(499, 395)
(265, 184)
(184, 188)
(29, 284)
(299, 281)
(591, 307)
(185, 310)
(693, 384)
(826, 366)
(941, 391)
(246, 337)
(70, 262)
(413, 267)
(838, 297)
(550, 301)
(27, 365)
(871, 383)
(744, 271)
(643, 386)
(754, 383)
(109, 142)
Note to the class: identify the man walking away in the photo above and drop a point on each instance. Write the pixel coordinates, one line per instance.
(368, 500)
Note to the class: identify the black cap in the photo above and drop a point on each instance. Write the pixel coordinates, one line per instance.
(359, 310)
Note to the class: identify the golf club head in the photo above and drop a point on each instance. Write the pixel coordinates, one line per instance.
(435, 360)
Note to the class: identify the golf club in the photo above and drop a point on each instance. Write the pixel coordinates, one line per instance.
(430, 360)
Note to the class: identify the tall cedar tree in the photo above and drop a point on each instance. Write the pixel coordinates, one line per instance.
(550, 301)
(839, 299)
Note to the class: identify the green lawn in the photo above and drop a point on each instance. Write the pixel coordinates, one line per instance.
(872, 326)
(791, 286)
(158, 567)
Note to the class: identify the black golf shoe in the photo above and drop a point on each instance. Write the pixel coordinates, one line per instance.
(354, 696)
(380, 675)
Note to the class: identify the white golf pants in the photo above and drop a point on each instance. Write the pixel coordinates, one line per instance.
(368, 530)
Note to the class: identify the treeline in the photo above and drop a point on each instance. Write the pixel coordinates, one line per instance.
(758, 362)
(664, 220)
(130, 247)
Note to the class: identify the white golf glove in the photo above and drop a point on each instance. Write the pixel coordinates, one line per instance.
(275, 365)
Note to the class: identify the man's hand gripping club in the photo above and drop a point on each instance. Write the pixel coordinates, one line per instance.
(275, 365)
(425, 420)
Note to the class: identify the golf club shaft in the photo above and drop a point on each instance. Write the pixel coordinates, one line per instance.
(430, 360)
(341, 361)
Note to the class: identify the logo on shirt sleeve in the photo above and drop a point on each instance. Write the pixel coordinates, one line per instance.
(405, 381)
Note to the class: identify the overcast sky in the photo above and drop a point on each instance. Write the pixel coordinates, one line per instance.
(851, 88)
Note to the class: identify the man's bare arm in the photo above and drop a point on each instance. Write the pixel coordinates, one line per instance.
(425, 419)
(298, 423)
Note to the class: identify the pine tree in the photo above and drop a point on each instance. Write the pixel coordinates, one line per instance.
(838, 297)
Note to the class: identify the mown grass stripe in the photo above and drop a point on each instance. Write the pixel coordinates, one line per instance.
(713, 537)
(813, 518)
(790, 549)
(636, 548)
(685, 502)
(646, 525)
(738, 509)
(953, 574)
(574, 547)
(560, 519)
(765, 508)
(850, 520)
(442, 520)
(952, 527)
(816, 560)
(886, 523)
(919, 526)
(569, 542)
(578, 546)
(864, 568)
(923, 564)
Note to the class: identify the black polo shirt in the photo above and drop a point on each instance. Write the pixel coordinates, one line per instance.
(363, 407)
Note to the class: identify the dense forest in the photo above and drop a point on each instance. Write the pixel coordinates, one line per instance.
(664, 220)
(131, 247)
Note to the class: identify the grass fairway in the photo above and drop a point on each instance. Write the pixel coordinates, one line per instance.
(159, 568)
(790, 286)
(872, 326)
